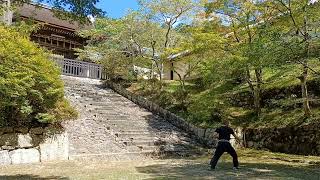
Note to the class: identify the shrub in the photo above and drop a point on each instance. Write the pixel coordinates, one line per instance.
(30, 85)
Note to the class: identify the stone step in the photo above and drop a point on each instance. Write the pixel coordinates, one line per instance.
(111, 118)
(133, 139)
(139, 148)
(104, 113)
(161, 151)
(124, 127)
(134, 148)
(138, 142)
(105, 107)
(108, 112)
(134, 135)
(121, 121)
(129, 156)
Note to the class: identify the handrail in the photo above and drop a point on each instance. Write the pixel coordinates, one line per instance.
(71, 67)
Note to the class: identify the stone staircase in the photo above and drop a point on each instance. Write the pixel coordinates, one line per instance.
(114, 128)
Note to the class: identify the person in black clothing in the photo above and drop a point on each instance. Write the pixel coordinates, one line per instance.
(225, 146)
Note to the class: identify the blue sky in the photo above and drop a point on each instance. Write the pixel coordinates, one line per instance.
(117, 8)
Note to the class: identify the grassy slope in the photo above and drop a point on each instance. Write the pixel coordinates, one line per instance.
(203, 101)
(253, 165)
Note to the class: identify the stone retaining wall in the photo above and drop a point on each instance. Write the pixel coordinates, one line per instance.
(24, 145)
(205, 136)
(304, 139)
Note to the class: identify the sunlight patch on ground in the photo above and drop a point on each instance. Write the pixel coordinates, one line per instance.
(253, 165)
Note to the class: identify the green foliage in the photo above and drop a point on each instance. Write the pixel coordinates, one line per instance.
(62, 111)
(64, 9)
(141, 38)
(30, 85)
(227, 60)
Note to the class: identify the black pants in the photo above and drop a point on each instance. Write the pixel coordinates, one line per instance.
(224, 147)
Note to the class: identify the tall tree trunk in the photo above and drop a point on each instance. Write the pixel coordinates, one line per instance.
(304, 90)
(248, 79)
(151, 72)
(257, 91)
(304, 76)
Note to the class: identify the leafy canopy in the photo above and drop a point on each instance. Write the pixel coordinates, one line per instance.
(30, 86)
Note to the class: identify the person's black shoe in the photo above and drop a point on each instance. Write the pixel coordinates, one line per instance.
(235, 168)
(212, 169)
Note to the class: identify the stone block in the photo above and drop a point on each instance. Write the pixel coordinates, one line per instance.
(250, 144)
(37, 131)
(24, 156)
(1, 131)
(200, 133)
(193, 129)
(5, 158)
(9, 140)
(7, 130)
(209, 134)
(36, 139)
(183, 124)
(55, 148)
(24, 141)
(22, 130)
(5, 147)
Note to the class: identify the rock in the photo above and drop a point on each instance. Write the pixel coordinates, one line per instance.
(22, 130)
(55, 148)
(318, 149)
(24, 141)
(37, 131)
(208, 135)
(169, 148)
(200, 132)
(193, 129)
(211, 141)
(9, 140)
(250, 144)
(7, 147)
(5, 158)
(7, 130)
(1, 131)
(36, 139)
(25, 156)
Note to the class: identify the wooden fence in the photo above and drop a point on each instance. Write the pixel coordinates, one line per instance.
(76, 68)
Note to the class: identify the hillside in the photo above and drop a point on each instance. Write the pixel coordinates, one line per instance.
(281, 99)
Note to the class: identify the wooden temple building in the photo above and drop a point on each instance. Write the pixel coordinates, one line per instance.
(57, 35)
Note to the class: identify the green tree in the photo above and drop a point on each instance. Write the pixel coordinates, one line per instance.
(30, 87)
(66, 9)
(297, 23)
(136, 39)
(108, 46)
(167, 13)
(246, 23)
(198, 46)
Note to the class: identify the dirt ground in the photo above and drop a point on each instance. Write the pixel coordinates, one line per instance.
(254, 165)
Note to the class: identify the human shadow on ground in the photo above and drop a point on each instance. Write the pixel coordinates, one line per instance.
(192, 170)
(30, 177)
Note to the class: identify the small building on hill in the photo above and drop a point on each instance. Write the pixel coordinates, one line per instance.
(174, 67)
(55, 34)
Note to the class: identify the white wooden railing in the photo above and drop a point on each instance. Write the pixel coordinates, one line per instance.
(76, 68)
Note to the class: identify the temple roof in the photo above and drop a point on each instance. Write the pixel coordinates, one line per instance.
(45, 15)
